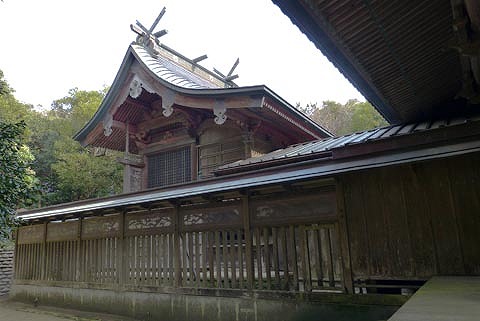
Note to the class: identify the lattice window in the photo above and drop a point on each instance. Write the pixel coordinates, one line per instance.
(212, 156)
(170, 167)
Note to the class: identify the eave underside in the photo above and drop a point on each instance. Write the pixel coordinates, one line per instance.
(403, 56)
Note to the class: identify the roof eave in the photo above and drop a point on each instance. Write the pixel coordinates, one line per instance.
(332, 50)
(108, 100)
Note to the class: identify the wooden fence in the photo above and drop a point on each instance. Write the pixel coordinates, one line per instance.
(281, 242)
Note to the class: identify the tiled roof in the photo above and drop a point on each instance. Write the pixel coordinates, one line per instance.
(171, 72)
(328, 144)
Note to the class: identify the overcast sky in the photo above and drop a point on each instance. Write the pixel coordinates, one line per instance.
(48, 46)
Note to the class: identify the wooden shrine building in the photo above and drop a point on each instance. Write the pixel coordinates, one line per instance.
(237, 206)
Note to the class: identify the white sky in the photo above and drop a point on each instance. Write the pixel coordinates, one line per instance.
(48, 46)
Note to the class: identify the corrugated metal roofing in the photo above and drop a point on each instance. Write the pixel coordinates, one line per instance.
(325, 145)
(252, 180)
(168, 71)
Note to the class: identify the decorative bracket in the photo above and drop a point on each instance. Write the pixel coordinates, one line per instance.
(107, 125)
(219, 110)
(167, 102)
(135, 88)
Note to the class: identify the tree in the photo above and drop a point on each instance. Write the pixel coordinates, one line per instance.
(365, 117)
(69, 171)
(17, 180)
(340, 119)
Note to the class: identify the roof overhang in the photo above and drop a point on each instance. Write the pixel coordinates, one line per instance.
(412, 60)
(292, 172)
(150, 74)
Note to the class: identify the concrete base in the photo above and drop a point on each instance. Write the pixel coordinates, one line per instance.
(181, 307)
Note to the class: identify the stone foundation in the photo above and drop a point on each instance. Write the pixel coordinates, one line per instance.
(183, 307)
(6, 270)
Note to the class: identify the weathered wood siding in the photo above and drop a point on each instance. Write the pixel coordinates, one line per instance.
(283, 241)
(416, 220)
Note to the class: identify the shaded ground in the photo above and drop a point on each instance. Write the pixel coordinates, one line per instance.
(16, 311)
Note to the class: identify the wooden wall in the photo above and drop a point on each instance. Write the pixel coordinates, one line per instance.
(416, 220)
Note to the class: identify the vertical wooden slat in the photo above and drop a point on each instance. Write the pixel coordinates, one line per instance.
(275, 257)
(331, 280)
(149, 259)
(38, 263)
(217, 258)
(121, 262)
(96, 251)
(139, 260)
(109, 259)
(293, 255)
(266, 247)
(190, 257)
(210, 248)
(226, 283)
(22, 261)
(233, 267)
(78, 265)
(161, 255)
(259, 257)
(204, 258)
(85, 260)
(145, 259)
(44, 262)
(172, 256)
(197, 259)
(135, 259)
(88, 267)
(318, 257)
(240, 258)
(304, 258)
(176, 248)
(102, 257)
(248, 242)
(285, 258)
(184, 259)
(66, 260)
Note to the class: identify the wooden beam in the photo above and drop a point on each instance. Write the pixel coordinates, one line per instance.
(347, 278)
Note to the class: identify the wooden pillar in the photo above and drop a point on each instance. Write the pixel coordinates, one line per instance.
(44, 251)
(176, 247)
(78, 273)
(121, 253)
(347, 278)
(248, 241)
(16, 255)
(194, 161)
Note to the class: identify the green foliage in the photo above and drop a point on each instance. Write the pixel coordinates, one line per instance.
(4, 87)
(94, 177)
(17, 180)
(365, 117)
(71, 172)
(65, 170)
(341, 119)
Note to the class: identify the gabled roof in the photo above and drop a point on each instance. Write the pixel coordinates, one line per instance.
(181, 77)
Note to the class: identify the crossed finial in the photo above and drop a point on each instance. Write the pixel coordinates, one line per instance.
(149, 39)
(230, 77)
(146, 37)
